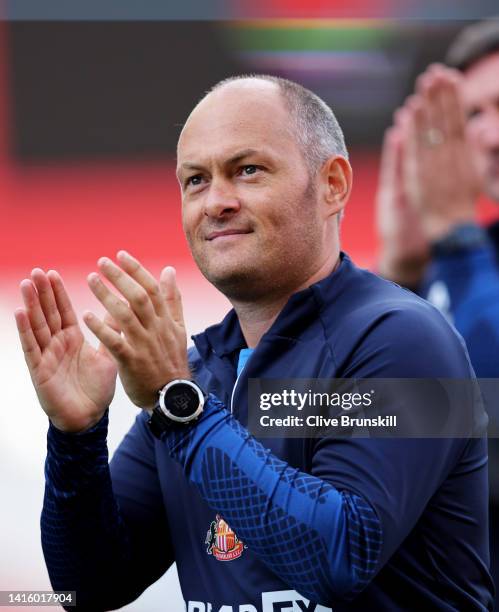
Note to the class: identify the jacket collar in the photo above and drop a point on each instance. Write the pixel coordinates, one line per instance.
(300, 310)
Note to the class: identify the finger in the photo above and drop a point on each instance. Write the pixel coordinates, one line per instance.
(171, 294)
(111, 341)
(411, 158)
(426, 78)
(397, 167)
(115, 306)
(390, 185)
(431, 97)
(436, 69)
(419, 125)
(452, 108)
(398, 116)
(405, 126)
(47, 300)
(31, 349)
(145, 279)
(134, 293)
(35, 313)
(110, 322)
(387, 172)
(66, 310)
(421, 82)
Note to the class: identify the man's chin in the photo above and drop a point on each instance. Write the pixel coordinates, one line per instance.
(237, 282)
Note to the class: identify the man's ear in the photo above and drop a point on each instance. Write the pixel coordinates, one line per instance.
(336, 184)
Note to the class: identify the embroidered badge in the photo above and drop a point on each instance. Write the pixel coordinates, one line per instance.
(222, 542)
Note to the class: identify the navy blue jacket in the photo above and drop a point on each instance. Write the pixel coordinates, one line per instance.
(301, 524)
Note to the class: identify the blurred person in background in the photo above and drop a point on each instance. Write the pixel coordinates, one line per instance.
(441, 153)
(309, 524)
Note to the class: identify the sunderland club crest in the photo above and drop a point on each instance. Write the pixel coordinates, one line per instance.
(222, 542)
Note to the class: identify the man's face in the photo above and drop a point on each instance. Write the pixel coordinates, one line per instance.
(481, 100)
(249, 208)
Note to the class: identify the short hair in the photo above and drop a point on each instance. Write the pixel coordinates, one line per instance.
(473, 43)
(315, 126)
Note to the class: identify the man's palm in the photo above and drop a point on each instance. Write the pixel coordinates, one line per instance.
(74, 382)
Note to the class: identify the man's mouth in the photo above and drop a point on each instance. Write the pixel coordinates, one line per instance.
(226, 232)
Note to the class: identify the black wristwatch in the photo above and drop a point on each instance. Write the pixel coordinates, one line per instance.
(179, 404)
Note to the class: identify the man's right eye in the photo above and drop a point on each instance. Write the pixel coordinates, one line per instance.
(193, 180)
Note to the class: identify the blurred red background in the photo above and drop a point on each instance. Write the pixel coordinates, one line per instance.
(65, 213)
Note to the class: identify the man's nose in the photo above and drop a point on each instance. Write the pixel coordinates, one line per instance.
(221, 199)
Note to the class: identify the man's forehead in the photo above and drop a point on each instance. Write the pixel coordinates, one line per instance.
(233, 103)
(238, 116)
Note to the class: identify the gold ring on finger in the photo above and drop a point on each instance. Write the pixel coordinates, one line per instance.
(434, 137)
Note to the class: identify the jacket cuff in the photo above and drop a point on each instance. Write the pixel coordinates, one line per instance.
(75, 459)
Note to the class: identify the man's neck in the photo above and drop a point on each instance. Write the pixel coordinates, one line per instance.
(256, 318)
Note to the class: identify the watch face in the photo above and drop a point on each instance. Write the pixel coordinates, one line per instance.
(181, 400)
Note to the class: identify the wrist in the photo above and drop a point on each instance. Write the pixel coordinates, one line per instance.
(145, 396)
(462, 238)
(75, 425)
(437, 227)
(407, 270)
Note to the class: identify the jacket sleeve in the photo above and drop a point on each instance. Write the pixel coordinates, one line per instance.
(465, 286)
(104, 528)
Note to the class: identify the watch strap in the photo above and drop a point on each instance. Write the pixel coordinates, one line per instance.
(158, 423)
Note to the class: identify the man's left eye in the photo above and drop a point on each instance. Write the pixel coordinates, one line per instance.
(249, 169)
